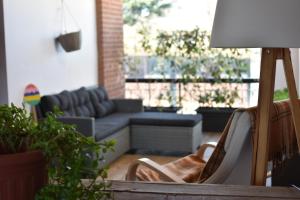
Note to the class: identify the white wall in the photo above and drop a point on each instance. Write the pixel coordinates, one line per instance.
(32, 55)
(280, 81)
(3, 80)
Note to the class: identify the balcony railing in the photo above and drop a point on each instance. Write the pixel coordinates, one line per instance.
(179, 92)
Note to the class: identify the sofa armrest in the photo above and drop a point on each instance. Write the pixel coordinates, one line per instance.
(84, 125)
(128, 105)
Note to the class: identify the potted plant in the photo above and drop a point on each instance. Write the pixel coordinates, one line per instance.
(164, 97)
(225, 68)
(47, 160)
(216, 118)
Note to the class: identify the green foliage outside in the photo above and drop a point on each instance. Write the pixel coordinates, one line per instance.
(135, 11)
(70, 155)
(189, 56)
(182, 54)
(280, 95)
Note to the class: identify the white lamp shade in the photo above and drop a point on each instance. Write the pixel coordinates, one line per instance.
(256, 24)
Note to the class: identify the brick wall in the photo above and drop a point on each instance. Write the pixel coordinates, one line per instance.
(110, 46)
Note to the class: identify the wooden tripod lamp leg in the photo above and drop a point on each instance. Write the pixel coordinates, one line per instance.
(265, 100)
(264, 109)
(290, 79)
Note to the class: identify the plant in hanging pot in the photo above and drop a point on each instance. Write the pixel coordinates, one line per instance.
(47, 160)
(70, 41)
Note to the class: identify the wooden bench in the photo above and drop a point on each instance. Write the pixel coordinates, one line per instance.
(145, 190)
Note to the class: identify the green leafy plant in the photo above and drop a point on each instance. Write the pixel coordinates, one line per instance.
(15, 130)
(281, 94)
(218, 96)
(186, 55)
(70, 156)
(139, 10)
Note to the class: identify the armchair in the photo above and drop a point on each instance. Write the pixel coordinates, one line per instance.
(231, 161)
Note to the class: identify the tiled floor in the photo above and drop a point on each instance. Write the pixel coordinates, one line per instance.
(118, 168)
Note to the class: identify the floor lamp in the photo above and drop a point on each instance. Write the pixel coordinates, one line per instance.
(274, 26)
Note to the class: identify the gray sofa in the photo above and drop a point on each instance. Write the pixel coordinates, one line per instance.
(124, 121)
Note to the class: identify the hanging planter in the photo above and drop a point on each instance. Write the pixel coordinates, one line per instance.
(69, 40)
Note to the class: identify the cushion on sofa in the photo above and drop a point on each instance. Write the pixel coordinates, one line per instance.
(62, 100)
(82, 104)
(111, 124)
(102, 105)
(103, 130)
(165, 119)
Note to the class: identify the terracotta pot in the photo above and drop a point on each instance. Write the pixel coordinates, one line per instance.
(70, 41)
(22, 175)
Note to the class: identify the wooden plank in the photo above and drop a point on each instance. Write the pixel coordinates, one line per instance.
(146, 196)
(290, 79)
(147, 190)
(265, 99)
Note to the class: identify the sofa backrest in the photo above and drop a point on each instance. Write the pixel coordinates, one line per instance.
(63, 101)
(81, 102)
(102, 104)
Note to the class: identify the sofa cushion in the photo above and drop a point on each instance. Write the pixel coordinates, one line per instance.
(82, 104)
(62, 100)
(165, 119)
(102, 105)
(111, 124)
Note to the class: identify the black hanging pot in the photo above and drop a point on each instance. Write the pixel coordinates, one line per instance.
(70, 41)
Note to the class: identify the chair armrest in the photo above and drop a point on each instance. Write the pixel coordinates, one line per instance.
(201, 151)
(129, 105)
(84, 125)
(162, 171)
(269, 174)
